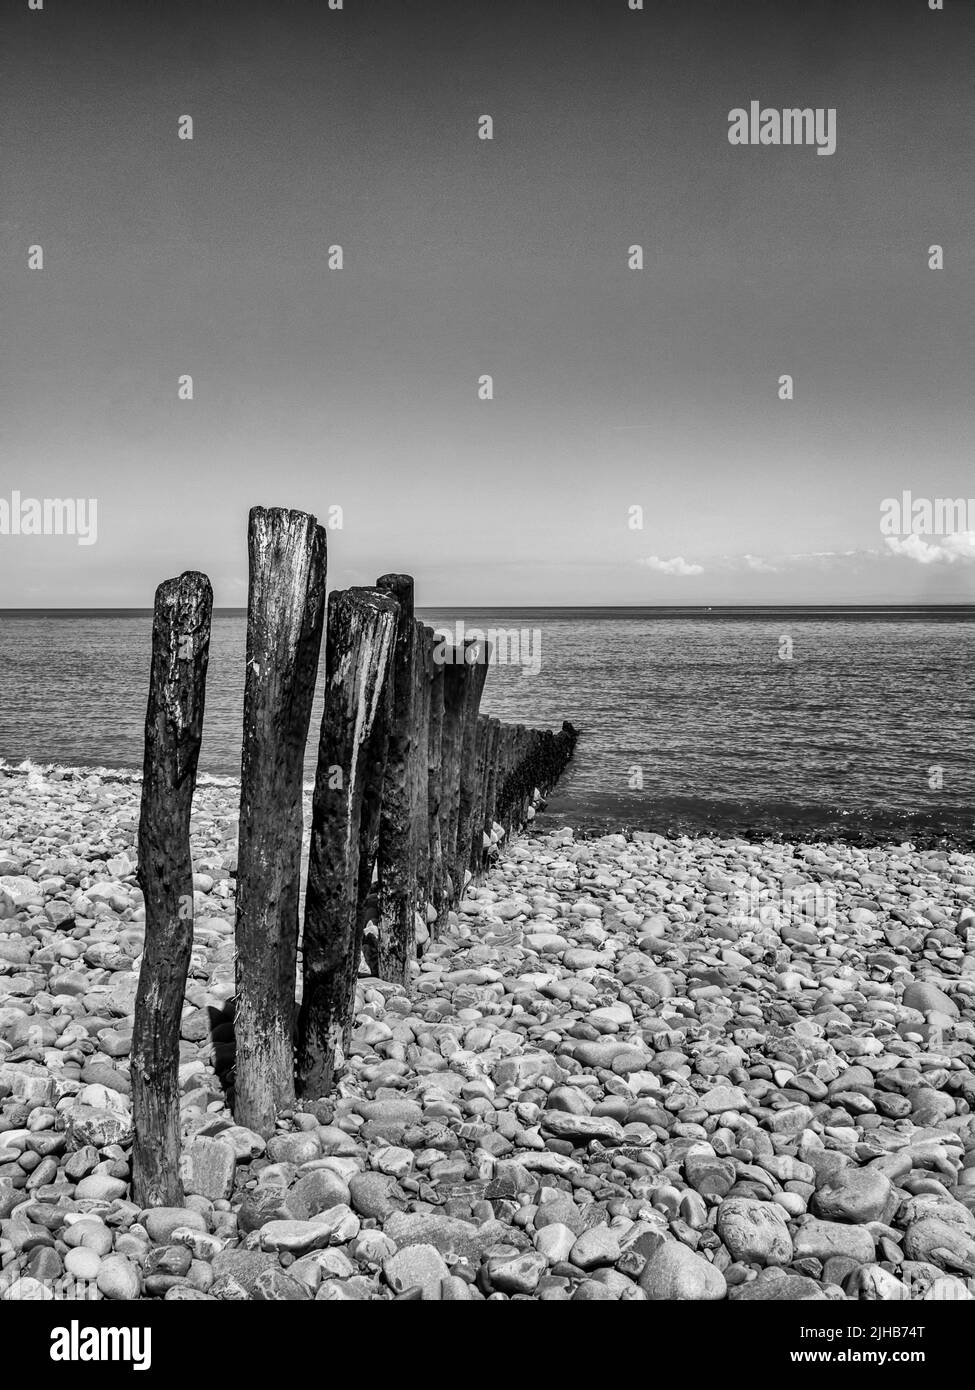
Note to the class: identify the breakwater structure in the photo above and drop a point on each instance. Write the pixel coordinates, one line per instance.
(415, 790)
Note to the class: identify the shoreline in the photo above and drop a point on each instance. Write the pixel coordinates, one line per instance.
(632, 1068)
(920, 830)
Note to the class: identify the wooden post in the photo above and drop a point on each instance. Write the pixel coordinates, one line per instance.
(535, 758)
(529, 740)
(421, 765)
(501, 769)
(369, 820)
(359, 645)
(490, 783)
(397, 837)
(174, 728)
(511, 781)
(478, 655)
(456, 678)
(518, 784)
(475, 841)
(435, 881)
(285, 612)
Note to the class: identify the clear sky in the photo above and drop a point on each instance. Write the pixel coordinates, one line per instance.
(613, 387)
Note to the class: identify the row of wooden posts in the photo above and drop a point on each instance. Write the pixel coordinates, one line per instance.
(411, 779)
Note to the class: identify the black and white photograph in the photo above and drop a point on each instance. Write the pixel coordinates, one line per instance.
(487, 672)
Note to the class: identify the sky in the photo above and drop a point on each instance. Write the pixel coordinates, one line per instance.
(614, 388)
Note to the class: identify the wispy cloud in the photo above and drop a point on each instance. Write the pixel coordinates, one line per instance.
(678, 565)
(957, 548)
(809, 559)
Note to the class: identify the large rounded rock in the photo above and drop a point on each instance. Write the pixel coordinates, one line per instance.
(675, 1271)
(294, 1236)
(99, 1127)
(375, 1195)
(294, 1148)
(940, 1243)
(823, 1239)
(418, 1266)
(855, 1195)
(118, 1278)
(317, 1191)
(928, 998)
(755, 1232)
(721, 1098)
(161, 1222)
(100, 1188)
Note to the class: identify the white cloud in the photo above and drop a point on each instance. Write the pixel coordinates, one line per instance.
(676, 566)
(959, 547)
(755, 562)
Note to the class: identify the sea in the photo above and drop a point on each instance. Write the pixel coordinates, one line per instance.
(803, 722)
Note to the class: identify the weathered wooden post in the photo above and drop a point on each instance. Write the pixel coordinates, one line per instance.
(397, 829)
(285, 612)
(358, 650)
(492, 765)
(174, 728)
(456, 677)
(475, 841)
(372, 800)
(530, 739)
(504, 772)
(420, 758)
(369, 820)
(503, 812)
(435, 879)
(477, 654)
(520, 790)
(512, 809)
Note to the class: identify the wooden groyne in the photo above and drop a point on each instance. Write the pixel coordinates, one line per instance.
(415, 792)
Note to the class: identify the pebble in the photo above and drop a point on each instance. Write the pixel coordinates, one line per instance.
(419, 1266)
(82, 1263)
(118, 1278)
(677, 1272)
(754, 1231)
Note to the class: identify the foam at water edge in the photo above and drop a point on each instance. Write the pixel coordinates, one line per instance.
(29, 768)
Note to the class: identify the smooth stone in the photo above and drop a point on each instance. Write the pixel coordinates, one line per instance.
(754, 1231)
(99, 1187)
(855, 1195)
(582, 1127)
(927, 998)
(721, 1098)
(118, 1278)
(160, 1222)
(554, 1241)
(517, 1273)
(294, 1236)
(276, 1286)
(773, 1285)
(209, 1166)
(595, 1247)
(676, 1272)
(823, 1239)
(82, 1264)
(419, 1266)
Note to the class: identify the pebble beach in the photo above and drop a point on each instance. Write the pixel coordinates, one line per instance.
(632, 1067)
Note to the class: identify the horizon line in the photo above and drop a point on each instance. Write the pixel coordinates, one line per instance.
(546, 607)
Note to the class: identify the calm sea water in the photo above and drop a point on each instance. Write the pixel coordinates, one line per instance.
(689, 719)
